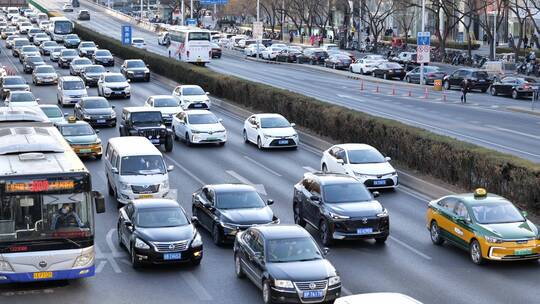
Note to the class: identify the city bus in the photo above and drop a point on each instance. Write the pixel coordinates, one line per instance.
(59, 27)
(47, 205)
(190, 44)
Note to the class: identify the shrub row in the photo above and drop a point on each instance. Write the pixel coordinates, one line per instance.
(456, 162)
(435, 43)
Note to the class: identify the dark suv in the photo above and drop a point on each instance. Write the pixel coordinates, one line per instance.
(478, 79)
(146, 122)
(340, 207)
(312, 56)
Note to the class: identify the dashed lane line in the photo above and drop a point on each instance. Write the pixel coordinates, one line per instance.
(412, 249)
(261, 165)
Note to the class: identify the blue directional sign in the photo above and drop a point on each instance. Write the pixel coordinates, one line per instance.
(208, 2)
(423, 38)
(126, 34)
(191, 22)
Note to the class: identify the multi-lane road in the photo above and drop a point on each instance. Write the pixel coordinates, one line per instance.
(485, 120)
(408, 263)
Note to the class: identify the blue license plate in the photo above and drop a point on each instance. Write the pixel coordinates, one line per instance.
(380, 182)
(172, 256)
(364, 230)
(313, 294)
(283, 142)
(154, 141)
(198, 105)
(101, 121)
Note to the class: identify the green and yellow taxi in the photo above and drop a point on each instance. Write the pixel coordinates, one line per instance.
(488, 226)
(82, 138)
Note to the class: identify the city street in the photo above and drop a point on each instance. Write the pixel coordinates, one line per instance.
(408, 263)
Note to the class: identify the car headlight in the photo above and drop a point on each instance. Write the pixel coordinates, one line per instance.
(106, 89)
(228, 225)
(5, 266)
(131, 72)
(124, 186)
(196, 131)
(334, 281)
(98, 141)
(283, 284)
(127, 89)
(267, 136)
(140, 244)
(197, 240)
(338, 216)
(113, 114)
(86, 117)
(83, 260)
(491, 239)
(384, 213)
(165, 184)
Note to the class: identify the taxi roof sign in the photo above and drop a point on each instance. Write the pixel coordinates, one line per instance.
(72, 119)
(480, 192)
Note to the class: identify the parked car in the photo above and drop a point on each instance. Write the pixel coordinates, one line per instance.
(514, 86)
(389, 70)
(405, 57)
(288, 55)
(216, 50)
(312, 56)
(271, 52)
(251, 50)
(365, 65)
(431, 73)
(477, 79)
(83, 15)
(338, 61)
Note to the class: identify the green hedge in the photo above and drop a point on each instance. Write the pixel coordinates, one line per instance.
(462, 164)
(435, 43)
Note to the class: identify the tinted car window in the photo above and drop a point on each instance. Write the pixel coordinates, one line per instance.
(345, 193)
(292, 250)
(142, 165)
(239, 200)
(160, 217)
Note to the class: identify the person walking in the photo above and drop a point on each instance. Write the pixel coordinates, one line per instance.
(291, 37)
(464, 90)
(312, 40)
(525, 42)
(321, 40)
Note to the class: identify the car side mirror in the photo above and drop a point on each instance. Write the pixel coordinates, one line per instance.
(315, 198)
(129, 80)
(129, 225)
(207, 93)
(325, 251)
(37, 99)
(270, 202)
(387, 159)
(524, 213)
(114, 170)
(194, 220)
(99, 201)
(97, 131)
(220, 120)
(113, 106)
(293, 125)
(87, 87)
(376, 194)
(170, 168)
(340, 161)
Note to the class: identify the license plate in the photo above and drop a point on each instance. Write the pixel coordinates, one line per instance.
(523, 251)
(482, 80)
(283, 142)
(364, 230)
(43, 275)
(211, 138)
(199, 60)
(101, 121)
(154, 141)
(74, 101)
(380, 182)
(198, 105)
(312, 294)
(172, 256)
(85, 150)
(146, 196)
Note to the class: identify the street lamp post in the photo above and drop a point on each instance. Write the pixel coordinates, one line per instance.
(494, 34)
(423, 29)
(191, 10)
(257, 41)
(142, 4)
(182, 12)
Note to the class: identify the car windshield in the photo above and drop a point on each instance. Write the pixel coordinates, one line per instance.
(366, 156)
(392, 65)
(345, 193)
(87, 44)
(96, 103)
(192, 91)
(342, 57)
(41, 35)
(95, 69)
(239, 200)
(142, 165)
(274, 122)
(136, 64)
(73, 85)
(199, 36)
(160, 217)
(292, 250)
(82, 61)
(29, 49)
(201, 119)
(165, 102)
(14, 81)
(496, 213)
(146, 117)
(52, 112)
(69, 53)
(115, 78)
(431, 69)
(22, 97)
(44, 70)
(77, 130)
(58, 49)
(103, 53)
(35, 59)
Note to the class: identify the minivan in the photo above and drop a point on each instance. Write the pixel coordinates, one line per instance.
(135, 169)
(70, 90)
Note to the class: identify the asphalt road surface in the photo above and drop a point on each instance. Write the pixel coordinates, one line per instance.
(408, 263)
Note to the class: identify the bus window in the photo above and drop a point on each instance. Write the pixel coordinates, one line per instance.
(204, 36)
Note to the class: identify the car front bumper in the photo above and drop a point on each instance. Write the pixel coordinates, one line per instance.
(87, 150)
(116, 93)
(150, 256)
(512, 251)
(280, 295)
(46, 80)
(95, 121)
(204, 138)
(376, 182)
(137, 76)
(127, 196)
(280, 142)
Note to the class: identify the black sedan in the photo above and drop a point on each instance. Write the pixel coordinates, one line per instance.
(83, 15)
(96, 111)
(90, 74)
(312, 56)
(135, 69)
(286, 264)
(431, 73)
(389, 70)
(288, 55)
(517, 87)
(30, 62)
(477, 79)
(157, 231)
(338, 61)
(216, 51)
(72, 41)
(224, 209)
(103, 57)
(12, 83)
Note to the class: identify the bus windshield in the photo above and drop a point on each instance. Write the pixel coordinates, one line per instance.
(204, 36)
(63, 27)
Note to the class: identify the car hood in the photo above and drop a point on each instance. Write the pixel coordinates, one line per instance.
(93, 74)
(116, 84)
(356, 209)
(83, 139)
(16, 87)
(104, 57)
(57, 119)
(80, 92)
(46, 74)
(101, 111)
(80, 66)
(141, 180)
(166, 234)
(88, 48)
(208, 127)
(170, 110)
(373, 169)
(279, 131)
(247, 216)
(302, 271)
(72, 41)
(517, 230)
(143, 126)
(69, 57)
(23, 104)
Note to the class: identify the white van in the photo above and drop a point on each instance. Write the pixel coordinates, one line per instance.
(70, 90)
(135, 169)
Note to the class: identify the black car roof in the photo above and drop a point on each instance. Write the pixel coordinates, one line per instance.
(282, 231)
(331, 178)
(155, 203)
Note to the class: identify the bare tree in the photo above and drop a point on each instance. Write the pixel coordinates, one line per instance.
(375, 15)
(532, 9)
(405, 16)
(491, 7)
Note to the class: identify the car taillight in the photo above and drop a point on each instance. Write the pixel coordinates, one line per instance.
(526, 86)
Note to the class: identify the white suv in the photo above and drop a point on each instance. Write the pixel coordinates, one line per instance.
(113, 84)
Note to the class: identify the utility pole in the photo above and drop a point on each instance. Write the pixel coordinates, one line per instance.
(494, 34)
(182, 12)
(142, 5)
(191, 10)
(423, 30)
(257, 41)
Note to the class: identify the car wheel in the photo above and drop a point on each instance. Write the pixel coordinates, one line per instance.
(174, 134)
(298, 216)
(361, 71)
(98, 157)
(169, 143)
(111, 191)
(99, 92)
(325, 234)
(311, 62)
(324, 168)
(238, 267)
(119, 236)
(515, 94)
(244, 134)
(187, 140)
(134, 261)
(483, 90)
(381, 240)
(217, 236)
(408, 79)
(259, 143)
(446, 85)
(266, 292)
(493, 91)
(435, 233)
(476, 253)
(350, 69)
(373, 74)
(334, 66)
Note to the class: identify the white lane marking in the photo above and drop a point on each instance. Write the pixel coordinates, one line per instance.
(308, 168)
(343, 96)
(196, 286)
(415, 194)
(474, 122)
(514, 132)
(110, 243)
(261, 165)
(110, 258)
(193, 176)
(414, 250)
(258, 187)
(100, 266)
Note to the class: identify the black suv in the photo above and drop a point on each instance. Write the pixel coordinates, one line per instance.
(340, 207)
(478, 79)
(312, 56)
(146, 122)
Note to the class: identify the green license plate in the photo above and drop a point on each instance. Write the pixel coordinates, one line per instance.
(85, 150)
(523, 251)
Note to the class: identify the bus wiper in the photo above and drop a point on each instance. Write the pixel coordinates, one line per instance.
(72, 242)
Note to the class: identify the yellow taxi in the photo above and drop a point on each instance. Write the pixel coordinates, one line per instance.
(488, 226)
(82, 138)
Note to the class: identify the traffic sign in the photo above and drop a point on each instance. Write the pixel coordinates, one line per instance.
(191, 22)
(423, 47)
(257, 30)
(126, 34)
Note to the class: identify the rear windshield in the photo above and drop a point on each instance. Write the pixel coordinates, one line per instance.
(480, 74)
(14, 81)
(199, 36)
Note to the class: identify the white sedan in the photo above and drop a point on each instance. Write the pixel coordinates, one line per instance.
(199, 127)
(271, 52)
(20, 99)
(362, 161)
(138, 43)
(168, 105)
(364, 66)
(192, 97)
(270, 131)
(251, 50)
